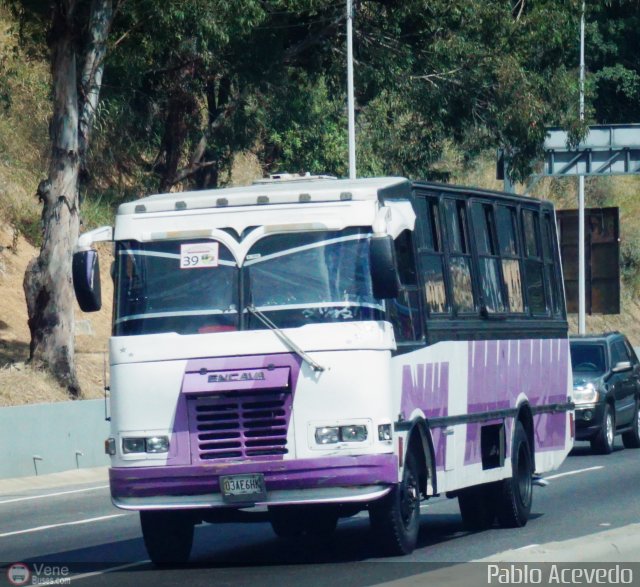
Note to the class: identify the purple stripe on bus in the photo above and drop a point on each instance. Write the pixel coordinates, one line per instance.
(426, 387)
(185, 442)
(279, 475)
(500, 371)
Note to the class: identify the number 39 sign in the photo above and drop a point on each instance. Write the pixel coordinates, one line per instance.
(200, 255)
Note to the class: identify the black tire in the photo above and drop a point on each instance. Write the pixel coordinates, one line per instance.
(296, 521)
(603, 442)
(168, 536)
(514, 496)
(395, 519)
(631, 438)
(477, 507)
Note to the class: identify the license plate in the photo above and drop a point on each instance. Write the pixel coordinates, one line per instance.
(248, 488)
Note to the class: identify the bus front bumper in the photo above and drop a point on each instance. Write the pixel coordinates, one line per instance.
(346, 479)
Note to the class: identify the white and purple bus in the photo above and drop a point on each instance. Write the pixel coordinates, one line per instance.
(305, 350)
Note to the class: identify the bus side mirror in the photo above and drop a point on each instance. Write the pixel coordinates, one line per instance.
(384, 269)
(85, 269)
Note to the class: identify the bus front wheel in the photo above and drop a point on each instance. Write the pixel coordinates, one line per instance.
(168, 536)
(514, 495)
(395, 518)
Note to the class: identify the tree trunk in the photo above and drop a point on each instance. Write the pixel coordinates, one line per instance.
(175, 135)
(100, 21)
(47, 281)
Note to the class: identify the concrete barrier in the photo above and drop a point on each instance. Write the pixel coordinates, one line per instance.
(39, 439)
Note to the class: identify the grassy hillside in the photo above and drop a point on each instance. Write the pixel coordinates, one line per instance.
(24, 119)
(24, 114)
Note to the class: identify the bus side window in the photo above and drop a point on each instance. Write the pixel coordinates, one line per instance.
(484, 227)
(551, 269)
(533, 265)
(506, 225)
(431, 256)
(404, 311)
(459, 255)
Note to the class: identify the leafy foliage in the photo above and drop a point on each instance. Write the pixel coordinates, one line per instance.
(189, 84)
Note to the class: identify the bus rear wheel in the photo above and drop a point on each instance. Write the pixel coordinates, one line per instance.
(395, 518)
(476, 507)
(514, 496)
(168, 536)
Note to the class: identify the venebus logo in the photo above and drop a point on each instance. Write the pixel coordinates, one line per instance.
(18, 574)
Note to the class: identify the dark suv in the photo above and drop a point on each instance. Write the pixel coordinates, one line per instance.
(606, 390)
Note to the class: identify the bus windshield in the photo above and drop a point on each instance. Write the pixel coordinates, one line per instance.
(297, 278)
(312, 277)
(156, 293)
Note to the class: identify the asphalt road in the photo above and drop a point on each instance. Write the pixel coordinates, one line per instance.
(76, 527)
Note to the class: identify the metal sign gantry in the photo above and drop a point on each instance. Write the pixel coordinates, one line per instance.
(606, 150)
(612, 149)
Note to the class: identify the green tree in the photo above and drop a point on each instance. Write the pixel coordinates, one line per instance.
(612, 60)
(77, 33)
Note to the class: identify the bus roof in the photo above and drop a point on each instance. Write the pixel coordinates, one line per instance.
(285, 192)
(472, 191)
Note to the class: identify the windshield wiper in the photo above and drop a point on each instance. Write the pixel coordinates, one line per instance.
(292, 345)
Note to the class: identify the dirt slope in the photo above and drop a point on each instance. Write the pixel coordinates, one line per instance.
(19, 384)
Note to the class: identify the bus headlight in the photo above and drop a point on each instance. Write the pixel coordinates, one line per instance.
(353, 433)
(132, 445)
(150, 444)
(156, 444)
(328, 435)
(335, 434)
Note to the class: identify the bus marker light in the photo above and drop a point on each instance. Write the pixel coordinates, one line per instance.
(110, 446)
(384, 432)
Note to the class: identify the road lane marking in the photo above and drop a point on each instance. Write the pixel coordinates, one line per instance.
(74, 523)
(17, 499)
(527, 547)
(109, 570)
(574, 472)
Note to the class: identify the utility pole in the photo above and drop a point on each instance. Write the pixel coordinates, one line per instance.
(351, 107)
(581, 227)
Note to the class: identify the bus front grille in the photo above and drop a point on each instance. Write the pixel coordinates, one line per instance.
(239, 425)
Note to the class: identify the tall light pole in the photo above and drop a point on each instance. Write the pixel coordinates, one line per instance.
(581, 227)
(350, 100)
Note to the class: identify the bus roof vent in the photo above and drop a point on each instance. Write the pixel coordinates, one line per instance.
(281, 177)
